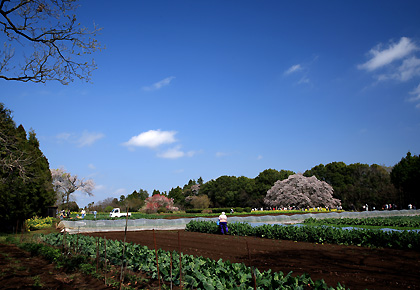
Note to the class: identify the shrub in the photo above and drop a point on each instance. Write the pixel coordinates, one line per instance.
(194, 210)
(162, 209)
(108, 208)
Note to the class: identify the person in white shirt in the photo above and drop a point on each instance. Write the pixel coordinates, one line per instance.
(223, 223)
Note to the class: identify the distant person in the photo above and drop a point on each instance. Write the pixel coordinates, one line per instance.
(94, 213)
(223, 223)
(83, 212)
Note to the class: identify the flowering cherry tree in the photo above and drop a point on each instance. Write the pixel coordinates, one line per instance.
(66, 184)
(301, 192)
(154, 202)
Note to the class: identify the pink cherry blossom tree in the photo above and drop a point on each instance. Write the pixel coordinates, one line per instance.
(301, 192)
(154, 202)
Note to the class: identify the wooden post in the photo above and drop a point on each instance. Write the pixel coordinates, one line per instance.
(106, 264)
(123, 253)
(21, 234)
(170, 253)
(64, 240)
(252, 267)
(180, 262)
(97, 254)
(157, 261)
(77, 240)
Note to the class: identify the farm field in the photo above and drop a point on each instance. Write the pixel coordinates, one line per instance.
(19, 270)
(355, 267)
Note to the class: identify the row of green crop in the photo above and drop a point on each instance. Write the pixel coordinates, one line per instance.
(317, 234)
(68, 263)
(412, 222)
(197, 272)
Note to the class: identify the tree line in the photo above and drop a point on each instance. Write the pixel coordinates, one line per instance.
(355, 185)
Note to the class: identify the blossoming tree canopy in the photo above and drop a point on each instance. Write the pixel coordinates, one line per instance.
(154, 202)
(301, 192)
(65, 184)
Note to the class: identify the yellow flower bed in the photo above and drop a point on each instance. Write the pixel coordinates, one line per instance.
(37, 223)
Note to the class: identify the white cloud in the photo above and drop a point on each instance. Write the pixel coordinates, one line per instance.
(382, 57)
(300, 71)
(158, 85)
(91, 166)
(172, 153)
(409, 69)
(152, 139)
(259, 157)
(120, 191)
(416, 96)
(407, 65)
(292, 69)
(100, 187)
(63, 136)
(221, 154)
(87, 139)
(175, 153)
(303, 80)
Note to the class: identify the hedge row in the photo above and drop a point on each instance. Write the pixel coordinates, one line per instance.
(413, 222)
(219, 209)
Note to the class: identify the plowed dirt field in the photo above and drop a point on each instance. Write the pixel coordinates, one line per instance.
(355, 267)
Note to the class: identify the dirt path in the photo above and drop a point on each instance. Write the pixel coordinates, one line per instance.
(355, 267)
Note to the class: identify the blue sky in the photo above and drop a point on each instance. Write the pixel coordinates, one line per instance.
(209, 88)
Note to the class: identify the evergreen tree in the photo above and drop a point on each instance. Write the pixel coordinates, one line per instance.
(406, 177)
(177, 195)
(264, 181)
(26, 189)
(357, 184)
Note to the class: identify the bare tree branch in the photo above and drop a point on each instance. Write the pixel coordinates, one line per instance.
(57, 45)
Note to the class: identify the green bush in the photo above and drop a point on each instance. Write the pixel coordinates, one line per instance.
(162, 209)
(413, 222)
(108, 208)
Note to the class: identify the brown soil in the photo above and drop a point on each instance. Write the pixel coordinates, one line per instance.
(19, 270)
(355, 267)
